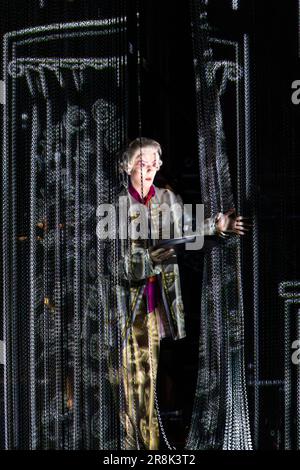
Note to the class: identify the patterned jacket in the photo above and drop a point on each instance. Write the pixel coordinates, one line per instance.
(137, 266)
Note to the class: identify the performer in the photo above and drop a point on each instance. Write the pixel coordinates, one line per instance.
(156, 308)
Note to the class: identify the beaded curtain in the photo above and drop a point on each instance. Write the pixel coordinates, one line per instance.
(220, 415)
(62, 317)
(64, 121)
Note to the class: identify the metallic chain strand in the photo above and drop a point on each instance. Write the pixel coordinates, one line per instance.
(6, 237)
(32, 271)
(77, 436)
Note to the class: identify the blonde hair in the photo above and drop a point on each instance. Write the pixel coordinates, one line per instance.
(127, 157)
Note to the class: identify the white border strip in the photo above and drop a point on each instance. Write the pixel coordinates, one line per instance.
(2, 352)
(2, 92)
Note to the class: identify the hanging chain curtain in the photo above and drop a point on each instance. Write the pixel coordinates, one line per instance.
(63, 310)
(220, 417)
(61, 318)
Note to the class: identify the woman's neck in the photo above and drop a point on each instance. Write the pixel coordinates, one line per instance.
(138, 188)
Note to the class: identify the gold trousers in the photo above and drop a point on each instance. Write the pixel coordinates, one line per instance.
(140, 362)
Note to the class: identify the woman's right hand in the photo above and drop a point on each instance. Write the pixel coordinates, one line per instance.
(158, 255)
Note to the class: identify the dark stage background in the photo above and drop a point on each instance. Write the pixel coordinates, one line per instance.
(168, 115)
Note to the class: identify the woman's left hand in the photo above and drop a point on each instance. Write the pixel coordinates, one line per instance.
(230, 223)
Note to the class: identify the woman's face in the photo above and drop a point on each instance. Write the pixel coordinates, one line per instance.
(145, 166)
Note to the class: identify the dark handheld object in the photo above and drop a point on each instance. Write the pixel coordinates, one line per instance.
(175, 241)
